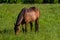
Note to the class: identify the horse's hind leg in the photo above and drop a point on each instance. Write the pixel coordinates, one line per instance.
(36, 25)
(31, 25)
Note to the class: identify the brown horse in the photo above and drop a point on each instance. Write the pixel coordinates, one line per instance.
(27, 16)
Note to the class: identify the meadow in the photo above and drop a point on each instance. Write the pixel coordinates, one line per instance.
(49, 22)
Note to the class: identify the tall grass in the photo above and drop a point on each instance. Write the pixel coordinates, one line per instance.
(49, 28)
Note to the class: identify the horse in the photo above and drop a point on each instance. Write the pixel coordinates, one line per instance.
(27, 15)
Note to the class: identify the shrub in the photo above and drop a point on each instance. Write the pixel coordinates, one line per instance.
(55, 1)
(12, 1)
(58, 1)
(28, 1)
(38, 1)
(45, 1)
(51, 1)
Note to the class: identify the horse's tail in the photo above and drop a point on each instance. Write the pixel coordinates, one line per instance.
(20, 16)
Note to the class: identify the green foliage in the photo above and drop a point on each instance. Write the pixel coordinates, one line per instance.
(29, 1)
(48, 1)
(51, 1)
(38, 1)
(19, 1)
(32, 1)
(4, 1)
(55, 1)
(12, 1)
(58, 1)
(0, 1)
(8, 1)
(45, 1)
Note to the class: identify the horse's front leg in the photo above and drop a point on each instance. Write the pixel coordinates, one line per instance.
(16, 29)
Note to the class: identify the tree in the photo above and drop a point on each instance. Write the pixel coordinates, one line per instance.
(28, 1)
(51, 1)
(38, 1)
(45, 1)
(55, 1)
(58, 1)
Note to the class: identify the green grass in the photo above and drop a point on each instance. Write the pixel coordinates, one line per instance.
(49, 28)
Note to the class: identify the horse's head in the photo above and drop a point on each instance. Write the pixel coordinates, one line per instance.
(19, 20)
(16, 29)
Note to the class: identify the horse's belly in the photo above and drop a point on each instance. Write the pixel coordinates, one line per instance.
(33, 17)
(30, 17)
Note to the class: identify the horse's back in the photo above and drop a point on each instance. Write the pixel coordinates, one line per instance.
(31, 14)
(36, 11)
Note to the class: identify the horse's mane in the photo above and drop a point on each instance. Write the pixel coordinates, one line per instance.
(20, 15)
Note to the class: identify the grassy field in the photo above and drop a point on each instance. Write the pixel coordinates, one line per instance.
(49, 28)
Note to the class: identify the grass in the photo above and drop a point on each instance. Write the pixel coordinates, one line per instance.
(49, 28)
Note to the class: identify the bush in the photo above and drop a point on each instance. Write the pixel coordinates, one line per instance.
(55, 1)
(3, 1)
(0, 1)
(28, 1)
(58, 1)
(51, 1)
(32, 1)
(45, 1)
(12, 1)
(19, 1)
(8, 1)
(38, 1)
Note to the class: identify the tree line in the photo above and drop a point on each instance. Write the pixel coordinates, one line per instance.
(29, 1)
